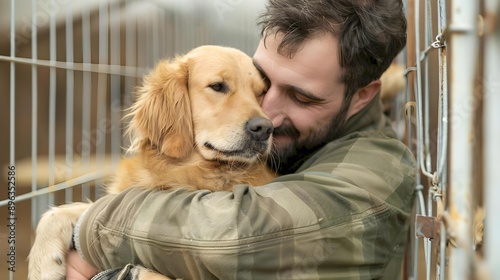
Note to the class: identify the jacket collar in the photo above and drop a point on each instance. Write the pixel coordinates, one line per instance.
(368, 118)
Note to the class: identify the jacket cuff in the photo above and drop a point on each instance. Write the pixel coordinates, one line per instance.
(76, 235)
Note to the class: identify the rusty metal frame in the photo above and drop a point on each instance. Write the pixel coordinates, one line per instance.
(430, 208)
(446, 215)
(491, 87)
(464, 40)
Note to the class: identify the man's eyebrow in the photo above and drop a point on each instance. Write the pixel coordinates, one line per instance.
(305, 93)
(259, 68)
(298, 90)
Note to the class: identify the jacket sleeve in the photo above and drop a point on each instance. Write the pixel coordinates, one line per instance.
(343, 215)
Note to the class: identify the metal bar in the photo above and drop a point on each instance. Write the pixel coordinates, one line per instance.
(420, 205)
(130, 61)
(440, 267)
(142, 59)
(69, 99)
(178, 42)
(146, 30)
(426, 117)
(115, 105)
(88, 177)
(52, 99)
(12, 144)
(418, 98)
(102, 83)
(130, 47)
(464, 42)
(136, 72)
(34, 113)
(155, 38)
(163, 33)
(428, 40)
(491, 118)
(407, 121)
(12, 83)
(419, 129)
(442, 136)
(86, 96)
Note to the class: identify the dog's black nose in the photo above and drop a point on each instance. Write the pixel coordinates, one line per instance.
(259, 128)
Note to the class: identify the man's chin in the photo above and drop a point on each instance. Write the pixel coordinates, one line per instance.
(282, 142)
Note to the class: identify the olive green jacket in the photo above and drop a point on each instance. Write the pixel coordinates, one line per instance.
(343, 215)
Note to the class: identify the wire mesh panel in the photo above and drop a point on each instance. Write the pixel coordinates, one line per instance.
(445, 121)
(428, 132)
(68, 71)
(491, 88)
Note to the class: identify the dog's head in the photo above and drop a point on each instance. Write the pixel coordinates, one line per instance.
(207, 100)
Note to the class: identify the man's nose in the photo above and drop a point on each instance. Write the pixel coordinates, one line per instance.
(274, 106)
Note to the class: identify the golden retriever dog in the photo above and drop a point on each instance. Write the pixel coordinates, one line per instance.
(197, 124)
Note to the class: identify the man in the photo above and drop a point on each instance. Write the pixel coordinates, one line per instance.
(341, 208)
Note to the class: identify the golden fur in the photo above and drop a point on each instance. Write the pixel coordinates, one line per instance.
(182, 129)
(197, 124)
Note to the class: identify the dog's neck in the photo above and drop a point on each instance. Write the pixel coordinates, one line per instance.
(148, 167)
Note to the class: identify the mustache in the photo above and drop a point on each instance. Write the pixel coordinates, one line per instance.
(286, 129)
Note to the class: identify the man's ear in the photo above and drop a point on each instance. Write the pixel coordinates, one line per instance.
(363, 96)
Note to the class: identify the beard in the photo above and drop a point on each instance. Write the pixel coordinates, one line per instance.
(288, 159)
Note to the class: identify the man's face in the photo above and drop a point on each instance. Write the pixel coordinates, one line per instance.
(305, 97)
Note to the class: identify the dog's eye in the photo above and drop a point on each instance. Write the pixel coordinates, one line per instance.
(219, 87)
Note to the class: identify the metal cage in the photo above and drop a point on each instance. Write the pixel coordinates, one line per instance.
(452, 59)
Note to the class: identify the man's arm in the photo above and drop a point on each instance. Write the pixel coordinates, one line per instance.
(338, 217)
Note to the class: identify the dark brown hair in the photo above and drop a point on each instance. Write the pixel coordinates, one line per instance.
(370, 33)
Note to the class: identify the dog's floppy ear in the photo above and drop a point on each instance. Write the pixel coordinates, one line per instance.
(162, 112)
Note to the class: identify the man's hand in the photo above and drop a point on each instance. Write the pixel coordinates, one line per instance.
(77, 268)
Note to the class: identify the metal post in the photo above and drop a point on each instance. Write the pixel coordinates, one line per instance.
(442, 136)
(463, 40)
(116, 90)
(130, 60)
(491, 135)
(426, 119)
(52, 101)
(420, 152)
(34, 114)
(70, 86)
(102, 84)
(86, 96)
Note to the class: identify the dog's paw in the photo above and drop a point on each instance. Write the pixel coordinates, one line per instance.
(44, 266)
(53, 240)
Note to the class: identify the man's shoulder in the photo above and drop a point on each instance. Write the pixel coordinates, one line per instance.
(359, 147)
(372, 162)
